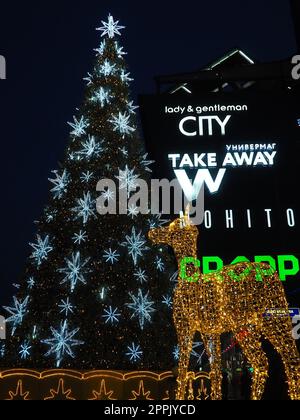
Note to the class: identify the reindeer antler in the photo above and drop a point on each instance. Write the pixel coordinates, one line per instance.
(185, 218)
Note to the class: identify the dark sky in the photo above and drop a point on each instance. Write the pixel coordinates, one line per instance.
(48, 46)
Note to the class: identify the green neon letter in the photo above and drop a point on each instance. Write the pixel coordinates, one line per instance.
(189, 260)
(206, 264)
(239, 259)
(283, 270)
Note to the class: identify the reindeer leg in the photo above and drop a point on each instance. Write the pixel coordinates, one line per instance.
(213, 349)
(250, 344)
(185, 345)
(279, 333)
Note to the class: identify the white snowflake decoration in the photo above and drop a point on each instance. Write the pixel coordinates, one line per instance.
(91, 148)
(146, 162)
(119, 50)
(134, 352)
(102, 47)
(157, 221)
(17, 312)
(159, 264)
(142, 307)
(128, 180)
(60, 184)
(62, 342)
(30, 283)
(2, 350)
(198, 345)
(85, 208)
(79, 126)
(174, 277)
(124, 151)
(107, 69)
(140, 275)
(121, 124)
(66, 307)
(80, 237)
(111, 315)
(102, 96)
(41, 249)
(25, 350)
(89, 79)
(135, 243)
(75, 270)
(131, 107)
(110, 28)
(125, 77)
(111, 256)
(133, 211)
(167, 300)
(176, 353)
(86, 177)
(108, 195)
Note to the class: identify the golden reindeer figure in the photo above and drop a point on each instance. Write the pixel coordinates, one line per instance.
(234, 299)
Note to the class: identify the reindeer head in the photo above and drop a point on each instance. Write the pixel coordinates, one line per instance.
(181, 235)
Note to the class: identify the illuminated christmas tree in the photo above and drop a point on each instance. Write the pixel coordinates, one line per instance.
(95, 293)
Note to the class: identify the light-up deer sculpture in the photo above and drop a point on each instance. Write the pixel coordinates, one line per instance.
(234, 299)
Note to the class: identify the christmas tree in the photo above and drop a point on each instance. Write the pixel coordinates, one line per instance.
(95, 293)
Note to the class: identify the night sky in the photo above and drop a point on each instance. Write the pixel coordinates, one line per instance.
(49, 49)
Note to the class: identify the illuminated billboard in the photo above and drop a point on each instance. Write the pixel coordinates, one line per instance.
(244, 149)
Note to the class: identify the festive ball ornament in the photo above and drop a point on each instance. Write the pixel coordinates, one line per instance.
(234, 299)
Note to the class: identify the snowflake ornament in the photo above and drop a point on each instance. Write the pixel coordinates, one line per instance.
(85, 208)
(89, 79)
(140, 275)
(133, 211)
(119, 50)
(79, 126)
(80, 237)
(86, 177)
(128, 180)
(125, 77)
(66, 307)
(62, 343)
(134, 352)
(25, 350)
(30, 283)
(108, 195)
(121, 124)
(102, 47)
(131, 107)
(75, 270)
(41, 249)
(167, 300)
(60, 183)
(135, 243)
(159, 264)
(17, 312)
(107, 69)
(111, 315)
(111, 256)
(102, 96)
(91, 148)
(142, 307)
(145, 162)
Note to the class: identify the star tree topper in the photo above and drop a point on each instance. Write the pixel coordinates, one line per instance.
(110, 28)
